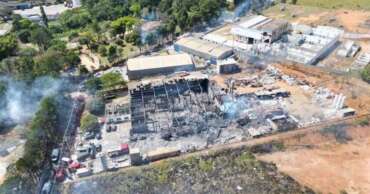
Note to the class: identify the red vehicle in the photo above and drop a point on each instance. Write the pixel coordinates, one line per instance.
(60, 174)
(74, 165)
(122, 149)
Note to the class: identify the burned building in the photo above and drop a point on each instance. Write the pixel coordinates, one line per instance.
(174, 106)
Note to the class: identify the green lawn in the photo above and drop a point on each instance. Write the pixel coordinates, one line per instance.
(335, 4)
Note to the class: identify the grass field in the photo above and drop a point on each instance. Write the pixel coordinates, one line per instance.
(335, 4)
(290, 10)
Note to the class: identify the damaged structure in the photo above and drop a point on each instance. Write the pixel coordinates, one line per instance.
(165, 105)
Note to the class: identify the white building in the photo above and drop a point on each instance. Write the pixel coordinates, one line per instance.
(140, 67)
(203, 49)
(34, 14)
(259, 28)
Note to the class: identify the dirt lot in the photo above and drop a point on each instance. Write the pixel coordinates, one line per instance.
(327, 166)
(356, 91)
(13, 141)
(350, 20)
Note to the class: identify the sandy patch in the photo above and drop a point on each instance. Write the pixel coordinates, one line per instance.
(329, 166)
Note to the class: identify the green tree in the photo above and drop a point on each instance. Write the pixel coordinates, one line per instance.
(112, 51)
(41, 37)
(135, 9)
(93, 84)
(365, 74)
(89, 122)
(20, 23)
(123, 24)
(8, 45)
(49, 63)
(134, 38)
(118, 26)
(102, 50)
(111, 79)
(96, 106)
(24, 35)
(76, 18)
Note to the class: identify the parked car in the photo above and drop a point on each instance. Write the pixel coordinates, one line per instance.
(114, 128)
(55, 155)
(119, 120)
(98, 135)
(108, 128)
(98, 147)
(89, 135)
(83, 153)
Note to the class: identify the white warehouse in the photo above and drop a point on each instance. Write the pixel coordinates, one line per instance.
(140, 67)
(204, 49)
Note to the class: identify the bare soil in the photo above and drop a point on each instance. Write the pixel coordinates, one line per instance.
(356, 90)
(321, 163)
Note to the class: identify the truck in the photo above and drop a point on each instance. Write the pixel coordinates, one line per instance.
(121, 150)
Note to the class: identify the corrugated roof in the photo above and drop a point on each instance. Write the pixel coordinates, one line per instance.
(254, 20)
(215, 38)
(204, 46)
(256, 34)
(142, 63)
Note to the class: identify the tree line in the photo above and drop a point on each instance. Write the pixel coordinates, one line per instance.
(45, 133)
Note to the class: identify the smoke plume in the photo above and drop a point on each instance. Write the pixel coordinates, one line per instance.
(20, 100)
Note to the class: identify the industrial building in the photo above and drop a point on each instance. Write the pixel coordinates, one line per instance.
(308, 49)
(259, 28)
(203, 49)
(227, 66)
(140, 67)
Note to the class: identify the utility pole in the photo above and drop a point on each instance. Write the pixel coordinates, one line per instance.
(44, 16)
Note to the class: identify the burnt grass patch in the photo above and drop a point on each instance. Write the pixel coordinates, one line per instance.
(229, 171)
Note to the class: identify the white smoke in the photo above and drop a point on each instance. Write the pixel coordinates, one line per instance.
(21, 100)
(244, 7)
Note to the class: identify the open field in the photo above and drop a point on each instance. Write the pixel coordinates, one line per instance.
(330, 4)
(324, 163)
(351, 20)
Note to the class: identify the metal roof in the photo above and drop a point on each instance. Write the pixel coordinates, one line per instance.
(256, 34)
(204, 46)
(215, 38)
(142, 63)
(255, 20)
